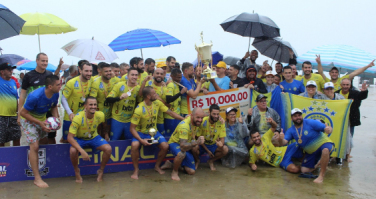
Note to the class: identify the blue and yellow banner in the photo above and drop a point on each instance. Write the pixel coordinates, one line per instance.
(335, 113)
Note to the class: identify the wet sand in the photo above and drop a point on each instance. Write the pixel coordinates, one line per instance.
(351, 180)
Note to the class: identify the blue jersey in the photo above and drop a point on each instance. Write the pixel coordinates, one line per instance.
(295, 87)
(38, 104)
(8, 97)
(189, 85)
(223, 83)
(312, 135)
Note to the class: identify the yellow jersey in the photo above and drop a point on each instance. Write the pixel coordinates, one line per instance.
(114, 80)
(140, 77)
(145, 117)
(345, 95)
(267, 152)
(161, 92)
(171, 90)
(185, 131)
(100, 90)
(85, 128)
(122, 110)
(262, 78)
(315, 77)
(212, 132)
(76, 92)
(337, 84)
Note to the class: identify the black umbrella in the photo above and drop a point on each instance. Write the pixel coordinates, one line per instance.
(251, 25)
(10, 23)
(274, 48)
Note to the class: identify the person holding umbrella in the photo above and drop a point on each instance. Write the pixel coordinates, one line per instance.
(244, 65)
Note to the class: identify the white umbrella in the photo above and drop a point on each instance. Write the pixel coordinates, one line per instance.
(91, 50)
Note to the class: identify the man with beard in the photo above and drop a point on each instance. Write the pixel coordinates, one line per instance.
(123, 98)
(100, 89)
(309, 136)
(334, 73)
(184, 146)
(149, 66)
(143, 120)
(83, 133)
(74, 95)
(188, 82)
(264, 149)
(138, 63)
(251, 81)
(294, 71)
(278, 70)
(214, 132)
(244, 65)
(160, 88)
(291, 85)
(115, 71)
(170, 62)
(309, 76)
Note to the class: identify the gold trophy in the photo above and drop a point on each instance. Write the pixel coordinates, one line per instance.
(205, 56)
(152, 133)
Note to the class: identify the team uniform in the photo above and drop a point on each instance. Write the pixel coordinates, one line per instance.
(184, 131)
(263, 78)
(314, 77)
(85, 130)
(9, 128)
(171, 123)
(161, 92)
(313, 140)
(190, 85)
(37, 104)
(211, 132)
(75, 92)
(100, 90)
(274, 156)
(145, 117)
(337, 84)
(295, 87)
(140, 77)
(122, 110)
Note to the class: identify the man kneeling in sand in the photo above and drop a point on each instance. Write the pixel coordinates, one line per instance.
(83, 133)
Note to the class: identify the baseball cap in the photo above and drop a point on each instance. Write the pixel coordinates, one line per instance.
(221, 64)
(328, 85)
(269, 72)
(333, 68)
(311, 82)
(161, 64)
(5, 66)
(296, 110)
(260, 96)
(231, 109)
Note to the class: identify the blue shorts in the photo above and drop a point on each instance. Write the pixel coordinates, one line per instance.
(118, 129)
(94, 143)
(157, 136)
(292, 151)
(211, 148)
(189, 160)
(66, 125)
(170, 126)
(310, 160)
(161, 128)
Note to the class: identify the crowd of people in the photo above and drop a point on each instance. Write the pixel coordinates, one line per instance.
(146, 102)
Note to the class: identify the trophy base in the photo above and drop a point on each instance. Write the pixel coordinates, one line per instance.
(152, 141)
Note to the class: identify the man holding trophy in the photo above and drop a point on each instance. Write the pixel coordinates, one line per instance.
(143, 128)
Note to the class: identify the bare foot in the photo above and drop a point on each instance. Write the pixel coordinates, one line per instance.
(349, 160)
(175, 175)
(100, 175)
(350, 156)
(167, 165)
(197, 163)
(78, 176)
(159, 170)
(211, 165)
(135, 175)
(40, 183)
(319, 180)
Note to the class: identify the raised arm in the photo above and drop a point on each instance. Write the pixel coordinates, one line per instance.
(319, 67)
(57, 71)
(361, 70)
(194, 93)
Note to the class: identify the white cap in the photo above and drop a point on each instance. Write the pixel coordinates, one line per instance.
(269, 72)
(328, 85)
(296, 110)
(311, 82)
(231, 109)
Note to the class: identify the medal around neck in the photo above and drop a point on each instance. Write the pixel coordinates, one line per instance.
(152, 133)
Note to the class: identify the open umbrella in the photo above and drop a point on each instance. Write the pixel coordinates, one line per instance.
(142, 38)
(33, 64)
(91, 50)
(10, 23)
(12, 59)
(274, 48)
(44, 24)
(251, 25)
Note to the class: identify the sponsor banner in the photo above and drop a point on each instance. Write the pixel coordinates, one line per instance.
(54, 161)
(238, 98)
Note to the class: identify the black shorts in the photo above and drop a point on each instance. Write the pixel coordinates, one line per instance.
(9, 129)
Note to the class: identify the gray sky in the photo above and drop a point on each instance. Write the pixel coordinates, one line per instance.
(305, 24)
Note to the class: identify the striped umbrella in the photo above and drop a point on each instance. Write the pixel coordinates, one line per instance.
(346, 58)
(142, 38)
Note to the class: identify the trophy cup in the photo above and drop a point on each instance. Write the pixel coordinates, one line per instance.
(205, 56)
(152, 133)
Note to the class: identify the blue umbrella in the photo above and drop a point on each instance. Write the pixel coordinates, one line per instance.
(346, 58)
(12, 59)
(216, 58)
(33, 64)
(142, 38)
(10, 23)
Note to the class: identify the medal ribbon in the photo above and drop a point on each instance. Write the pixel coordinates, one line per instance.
(87, 124)
(299, 135)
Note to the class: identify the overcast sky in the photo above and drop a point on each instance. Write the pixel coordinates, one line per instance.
(305, 24)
